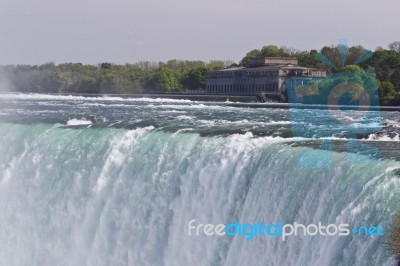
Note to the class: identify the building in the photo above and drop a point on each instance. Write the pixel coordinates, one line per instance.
(269, 76)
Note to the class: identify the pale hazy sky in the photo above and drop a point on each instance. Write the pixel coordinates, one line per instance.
(121, 31)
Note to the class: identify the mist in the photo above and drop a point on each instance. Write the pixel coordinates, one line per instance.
(5, 83)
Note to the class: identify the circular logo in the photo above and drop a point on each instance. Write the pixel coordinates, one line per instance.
(357, 92)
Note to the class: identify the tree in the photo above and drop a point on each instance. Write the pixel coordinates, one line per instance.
(352, 68)
(395, 80)
(355, 53)
(195, 79)
(332, 53)
(308, 59)
(395, 46)
(252, 54)
(266, 51)
(289, 51)
(218, 64)
(387, 93)
(109, 83)
(50, 81)
(88, 85)
(166, 79)
(273, 51)
(106, 66)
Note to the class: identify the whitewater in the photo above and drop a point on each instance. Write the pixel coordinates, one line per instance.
(111, 181)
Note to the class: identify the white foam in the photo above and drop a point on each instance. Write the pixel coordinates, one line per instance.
(185, 117)
(117, 155)
(375, 137)
(21, 96)
(78, 122)
(391, 169)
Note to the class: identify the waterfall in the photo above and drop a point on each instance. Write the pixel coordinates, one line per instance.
(112, 196)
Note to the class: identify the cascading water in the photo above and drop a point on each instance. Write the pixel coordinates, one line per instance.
(120, 193)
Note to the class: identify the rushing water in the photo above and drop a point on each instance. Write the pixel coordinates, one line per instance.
(108, 181)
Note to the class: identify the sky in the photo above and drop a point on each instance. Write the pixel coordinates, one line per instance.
(128, 31)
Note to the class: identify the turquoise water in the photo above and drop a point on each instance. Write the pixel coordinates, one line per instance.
(116, 182)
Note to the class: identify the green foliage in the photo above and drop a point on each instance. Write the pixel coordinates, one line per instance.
(387, 93)
(352, 68)
(350, 87)
(386, 64)
(143, 76)
(354, 53)
(273, 51)
(252, 54)
(195, 79)
(166, 79)
(308, 59)
(266, 51)
(106, 66)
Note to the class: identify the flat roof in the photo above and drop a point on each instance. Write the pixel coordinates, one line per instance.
(232, 69)
(267, 68)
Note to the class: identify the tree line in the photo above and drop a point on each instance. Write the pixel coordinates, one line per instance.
(171, 76)
(189, 76)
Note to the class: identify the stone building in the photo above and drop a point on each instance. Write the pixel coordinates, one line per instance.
(270, 76)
